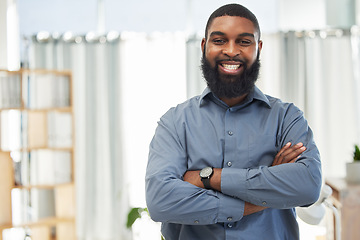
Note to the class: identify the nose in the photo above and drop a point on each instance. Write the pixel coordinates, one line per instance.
(231, 50)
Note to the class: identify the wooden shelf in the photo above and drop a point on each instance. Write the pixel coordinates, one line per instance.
(38, 71)
(54, 109)
(346, 198)
(6, 184)
(29, 149)
(49, 222)
(44, 186)
(47, 122)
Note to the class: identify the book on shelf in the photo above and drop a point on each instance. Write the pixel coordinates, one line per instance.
(42, 203)
(59, 129)
(10, 130)
(46, 90)
(43, 167)
(32, 205)
(20, 201)
(35, 129)
(10, 90)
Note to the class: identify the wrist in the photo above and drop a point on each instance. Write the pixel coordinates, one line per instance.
(215, 180)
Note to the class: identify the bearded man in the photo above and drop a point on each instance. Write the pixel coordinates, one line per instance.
(231, 163)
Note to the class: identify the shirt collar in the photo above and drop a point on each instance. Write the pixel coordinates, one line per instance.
(255, 94)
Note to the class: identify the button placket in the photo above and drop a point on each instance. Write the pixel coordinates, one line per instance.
(230, 130)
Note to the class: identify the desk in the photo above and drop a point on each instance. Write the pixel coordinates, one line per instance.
(346, 198)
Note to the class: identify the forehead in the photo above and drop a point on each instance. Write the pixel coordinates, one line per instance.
(232, 25)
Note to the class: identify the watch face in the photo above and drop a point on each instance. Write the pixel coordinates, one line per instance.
(206, 172)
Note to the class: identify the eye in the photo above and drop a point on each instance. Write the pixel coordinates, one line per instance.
(245, 42)
(218, 41)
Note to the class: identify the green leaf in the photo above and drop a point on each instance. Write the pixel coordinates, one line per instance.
(356, 153)
(133, 215)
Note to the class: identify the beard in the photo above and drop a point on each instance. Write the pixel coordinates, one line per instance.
(230, 86)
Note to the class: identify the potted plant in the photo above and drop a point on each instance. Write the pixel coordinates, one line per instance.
(353, 168)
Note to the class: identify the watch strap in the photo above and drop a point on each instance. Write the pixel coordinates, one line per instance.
(206, 182)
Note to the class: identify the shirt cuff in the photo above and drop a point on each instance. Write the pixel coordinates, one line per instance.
(233, 182)
(230, 209)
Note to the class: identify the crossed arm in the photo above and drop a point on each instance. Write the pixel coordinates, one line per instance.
(176, 195)
(288, 154)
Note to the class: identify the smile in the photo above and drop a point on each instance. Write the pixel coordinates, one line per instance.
(231, 66)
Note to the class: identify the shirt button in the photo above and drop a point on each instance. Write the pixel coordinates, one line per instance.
(229, 164)
(230, 133)
(196, 221)
(229, 225)
(264, 203)
(229, 219)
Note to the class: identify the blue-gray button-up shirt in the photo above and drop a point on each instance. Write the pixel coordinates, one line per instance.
(242, 140)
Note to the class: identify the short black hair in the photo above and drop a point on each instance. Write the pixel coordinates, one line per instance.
(235, 10)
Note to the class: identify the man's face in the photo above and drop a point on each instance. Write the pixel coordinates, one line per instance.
(229, 53)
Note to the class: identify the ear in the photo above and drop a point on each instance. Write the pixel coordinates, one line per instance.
(203, 42)
(260, 43)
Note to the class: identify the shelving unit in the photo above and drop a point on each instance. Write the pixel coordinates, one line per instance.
(346, 199)
(37, 183)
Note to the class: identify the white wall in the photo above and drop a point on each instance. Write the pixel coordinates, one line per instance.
(9, 37)
(300, 15)
(80, 16)
(3, 37)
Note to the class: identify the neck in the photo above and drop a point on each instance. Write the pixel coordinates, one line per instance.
(234, 101)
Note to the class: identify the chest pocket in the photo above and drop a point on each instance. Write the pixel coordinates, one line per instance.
(262, 150)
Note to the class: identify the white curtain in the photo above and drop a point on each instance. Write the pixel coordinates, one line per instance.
(319, 77)
(122, 84)
(195, 82)
(355, 43)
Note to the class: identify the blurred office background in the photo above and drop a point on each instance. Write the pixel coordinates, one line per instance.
(133, 60)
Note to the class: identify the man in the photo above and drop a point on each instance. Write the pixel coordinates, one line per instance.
(231, 163)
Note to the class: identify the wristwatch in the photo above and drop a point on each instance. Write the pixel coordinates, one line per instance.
(205, 175)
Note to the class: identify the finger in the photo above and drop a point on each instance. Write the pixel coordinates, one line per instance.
(298, 152)
(285, 147)
(291, 149)
(289, 154)
(278, 155)
(282, 150)
(293, 155)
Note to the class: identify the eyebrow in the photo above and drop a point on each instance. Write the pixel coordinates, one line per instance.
(240, 35)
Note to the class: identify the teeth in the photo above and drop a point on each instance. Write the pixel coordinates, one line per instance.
(231, 67)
